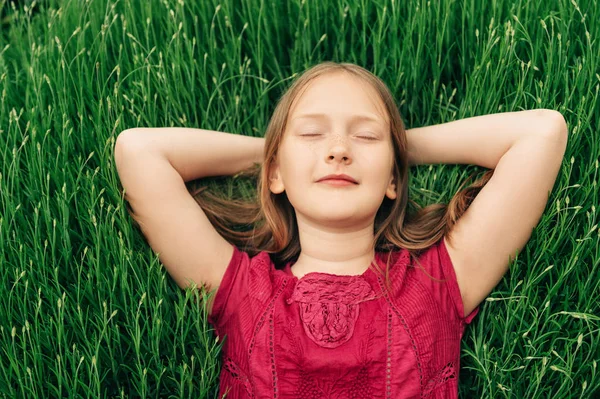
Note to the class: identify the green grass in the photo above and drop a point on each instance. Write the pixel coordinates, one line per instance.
(87, 309)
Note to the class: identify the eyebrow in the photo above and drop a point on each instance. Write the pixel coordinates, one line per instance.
(354, 118)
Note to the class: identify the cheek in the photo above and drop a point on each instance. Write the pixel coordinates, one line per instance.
(312, 147)
(297, 163)
(378, 167)
(303, 153)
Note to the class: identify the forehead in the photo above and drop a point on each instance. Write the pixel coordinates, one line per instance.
(339, 94)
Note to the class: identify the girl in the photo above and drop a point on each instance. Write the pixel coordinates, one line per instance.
(337, 291)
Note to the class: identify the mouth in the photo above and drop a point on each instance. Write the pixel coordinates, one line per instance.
(338, 182)
(338, 178)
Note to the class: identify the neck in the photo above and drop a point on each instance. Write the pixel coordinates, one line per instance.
(347, 251)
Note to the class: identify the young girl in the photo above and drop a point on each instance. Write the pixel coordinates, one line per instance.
(336, 291)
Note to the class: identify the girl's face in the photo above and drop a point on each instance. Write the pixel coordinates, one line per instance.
(337, 126)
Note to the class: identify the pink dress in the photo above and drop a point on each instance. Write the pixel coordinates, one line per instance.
(331, 336)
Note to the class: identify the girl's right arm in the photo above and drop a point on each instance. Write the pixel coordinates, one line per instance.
(153, 165)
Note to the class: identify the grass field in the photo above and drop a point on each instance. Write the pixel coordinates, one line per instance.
(86, 308)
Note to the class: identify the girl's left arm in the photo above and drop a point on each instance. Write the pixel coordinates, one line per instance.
(479, 140)
(525, 149)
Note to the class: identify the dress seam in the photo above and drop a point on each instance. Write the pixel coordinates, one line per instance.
(259, 324)
(394, 309)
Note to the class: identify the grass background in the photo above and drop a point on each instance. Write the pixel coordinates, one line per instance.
(87, 310)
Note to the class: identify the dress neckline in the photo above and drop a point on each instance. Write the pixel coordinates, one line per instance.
(287, 269)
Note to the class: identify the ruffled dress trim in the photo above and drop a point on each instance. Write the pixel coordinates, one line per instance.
(330, 305)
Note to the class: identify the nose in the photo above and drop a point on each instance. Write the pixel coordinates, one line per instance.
(338, 151)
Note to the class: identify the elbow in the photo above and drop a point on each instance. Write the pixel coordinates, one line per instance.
(126, 137)
(554, 125)
(559, 124)
(128, 140)
(125, 143)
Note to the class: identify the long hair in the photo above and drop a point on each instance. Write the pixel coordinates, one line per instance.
(272, 218)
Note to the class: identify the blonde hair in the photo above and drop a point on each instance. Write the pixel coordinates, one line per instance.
(272, 218)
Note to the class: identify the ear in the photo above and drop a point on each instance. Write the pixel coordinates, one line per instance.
(391, 190)
(275, 182)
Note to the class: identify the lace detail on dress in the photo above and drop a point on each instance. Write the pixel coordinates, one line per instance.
(238, 374)
(445, 374)
(329, 306)
(352, 386)
(361, 388)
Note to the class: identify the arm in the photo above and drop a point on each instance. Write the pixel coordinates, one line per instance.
(153, 164)
(196, 153)
(526, 150)
(480, 140)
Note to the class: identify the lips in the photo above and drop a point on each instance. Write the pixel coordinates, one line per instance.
(339, 177)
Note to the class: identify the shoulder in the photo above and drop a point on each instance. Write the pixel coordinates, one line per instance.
(248, 281)
(428, 274)
(439, 274)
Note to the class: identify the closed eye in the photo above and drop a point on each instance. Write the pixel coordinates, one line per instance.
(319, 134)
